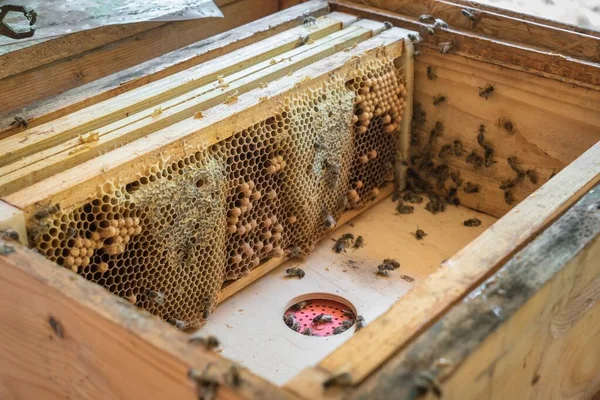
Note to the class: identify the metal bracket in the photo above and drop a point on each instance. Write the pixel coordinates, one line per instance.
(10, 32)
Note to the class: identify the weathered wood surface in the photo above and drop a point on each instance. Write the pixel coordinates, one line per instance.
(22, 89)
(463, 272)
(127, 79)
(489, 50)
(101, 346)
(531, 331)
(504, 25)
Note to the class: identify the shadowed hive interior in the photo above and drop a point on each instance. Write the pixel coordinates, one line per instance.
(169, 240)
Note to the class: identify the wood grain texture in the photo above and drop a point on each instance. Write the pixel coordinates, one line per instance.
(493, 51)
(128, 79)
(530, 331)
(497, 24)
(24, 88)
(544, 114)
(103, 346)
(461, 274)
(72, 187)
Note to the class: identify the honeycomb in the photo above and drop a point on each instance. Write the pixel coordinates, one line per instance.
(169, 240)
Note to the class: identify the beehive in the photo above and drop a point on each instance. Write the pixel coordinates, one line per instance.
(167, 232)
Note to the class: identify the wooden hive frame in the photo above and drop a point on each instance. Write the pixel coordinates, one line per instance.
(401, 348)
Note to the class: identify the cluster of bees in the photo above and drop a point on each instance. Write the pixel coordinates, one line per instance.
(347, 240)
(322, 319)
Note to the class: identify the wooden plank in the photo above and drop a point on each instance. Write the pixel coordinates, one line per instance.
(350, 275)
(66, 74)
(498, 24)
(461, 274)
(543, 114)
(471, 45)
(74, 152)
(121, 107)
(165, 65)
(100, 347)
(73, 186)
(13, 218)
(538, 315)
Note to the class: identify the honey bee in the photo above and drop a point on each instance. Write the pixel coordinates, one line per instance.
(445, 150)
(233, 376)
(407, 278)
(425, 382)
(452, 196)
(179, 324)
(209, 342)
(348, 313)
(339, 246)
(486, 91)
(343, 379)
(206, 386)
(446, 47)
(413, 38)
(301, 305)
(391, 264)
(46, 212)
(475, 159)
(56, 327)
(359, 242)
(440, 23)
(360, 322)
(309, 21)
(382, 270)
(514, 165)
(339, 329)
(206, 306)
(292, 272)
(10, 234)
(322, 319)
(303, 39)
(20, 122)
(387, 25)
(440, 98)
(429, 30)
(427, 18)
(471, 188)
(508, 197)
(289, 320)
(532, 175)
(333, 174)
(328, 220)
(347, 323)
(458, 150)
(507, 184)
(431, 75)
(481, 135)
(436, 132)
(157, 297)
(412, 197)
(436, 204)
(472, 222)
(468, 14)
(307, 332)
(420, 234)
(488, 155)
(455, 176)
(404, 209)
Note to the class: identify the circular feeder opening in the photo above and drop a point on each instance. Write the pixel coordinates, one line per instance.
(305, 308)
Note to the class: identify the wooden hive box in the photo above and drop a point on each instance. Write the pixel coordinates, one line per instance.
(162, 206)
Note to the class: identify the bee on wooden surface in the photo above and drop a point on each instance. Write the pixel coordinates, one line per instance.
(20, 122)
(179, 324)
(472, 222)
(46, 212)
(468, 14)
(475, 159)
(488, 155)
(455, 176)
(471, 188)
(307, 332)
(532, 175)
(360, 322)
(436, 204)
(157, 297)
(407, 278)
(210, 342)
(427, 18)
(481, 135)
(431, 75)
(306, 21)
(436, 132)
(507, 184)
(486, 91)
(10, 234)
(413, 38)
(342, 380)
(446, 47)
(322, 319)
(445, 150)
(404, 209)
(439, 99)
(441, 173)
(420, 234)
(458, 149)
(419, 115)
(389, 264)
(440, 23)
(388, 25)
(56, 327)
(514, 165)
(412, 197)
(382, 270)
(303, 39)
(509, 197)
(339, 246)
(292, 272)
(295, 251)
(233, 376)
(358, 243)
(452, 196)
(301, 305)
(339, 329)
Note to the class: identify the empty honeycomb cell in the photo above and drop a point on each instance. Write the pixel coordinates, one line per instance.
(168, 240)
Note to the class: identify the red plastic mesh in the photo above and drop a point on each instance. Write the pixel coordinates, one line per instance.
(316, 307)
